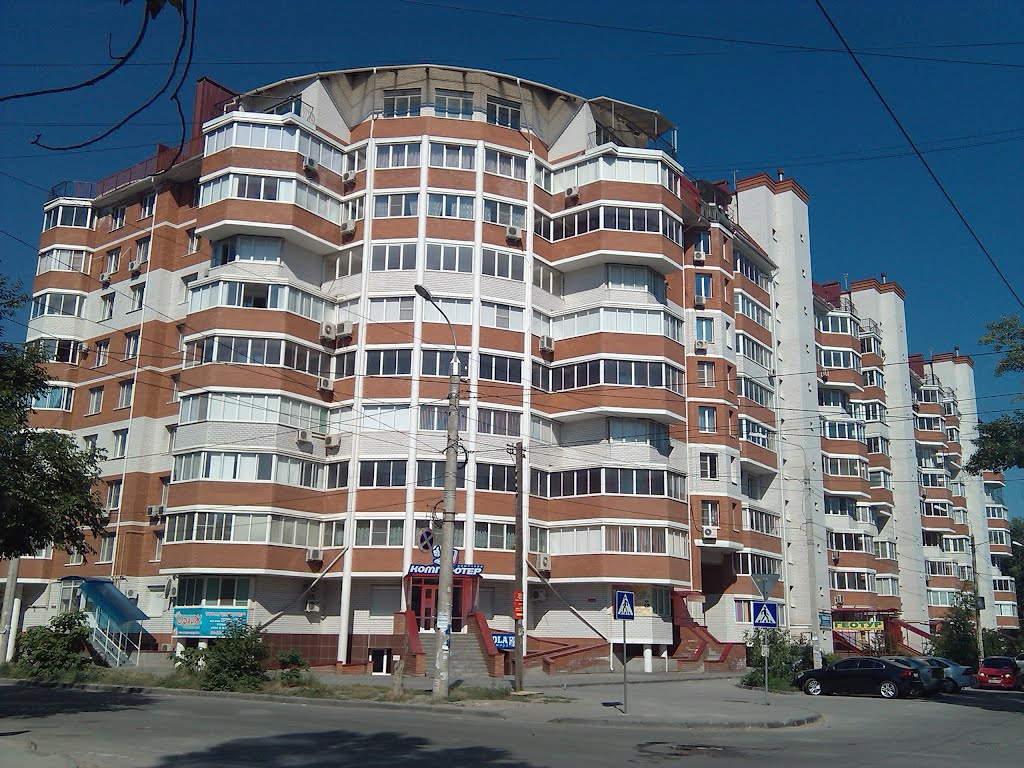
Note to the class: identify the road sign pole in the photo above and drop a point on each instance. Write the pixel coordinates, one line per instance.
(625, 689)
(764, 652)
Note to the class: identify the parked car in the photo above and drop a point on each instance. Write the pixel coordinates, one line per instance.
(931, 676)
(999, 672)
(860, 674)
(1020, 661)
(957, 676)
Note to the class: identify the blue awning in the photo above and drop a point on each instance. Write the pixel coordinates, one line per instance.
(111, 601)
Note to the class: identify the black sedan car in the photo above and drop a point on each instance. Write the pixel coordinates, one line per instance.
(860, 674)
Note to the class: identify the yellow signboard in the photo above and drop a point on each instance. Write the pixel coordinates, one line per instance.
(859, 626)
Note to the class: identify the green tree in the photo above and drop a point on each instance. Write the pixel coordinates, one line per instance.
(47, 482)
(785, 659)
(234, 661)
(1014, 565)
(1000, 442)
(956, 638)
(52, 651)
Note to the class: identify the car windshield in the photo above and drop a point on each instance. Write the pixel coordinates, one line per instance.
(997, 663)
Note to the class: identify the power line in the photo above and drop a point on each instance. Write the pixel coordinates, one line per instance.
(920, 155)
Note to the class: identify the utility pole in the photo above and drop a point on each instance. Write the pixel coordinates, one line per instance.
(443, 622)
(7, 621)
(521, 533)
(977, 601)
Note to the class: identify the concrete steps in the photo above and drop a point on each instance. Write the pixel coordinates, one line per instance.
(466, 659)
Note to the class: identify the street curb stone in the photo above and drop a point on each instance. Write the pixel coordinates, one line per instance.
(792, 722)
(346, 704)
(632, 682)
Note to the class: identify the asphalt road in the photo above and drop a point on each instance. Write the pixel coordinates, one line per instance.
(91, 729)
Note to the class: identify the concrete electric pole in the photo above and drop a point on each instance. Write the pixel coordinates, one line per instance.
(521, 534)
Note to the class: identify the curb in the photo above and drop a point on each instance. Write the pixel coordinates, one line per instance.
(306, 701)
(632, 682)
(792, 722)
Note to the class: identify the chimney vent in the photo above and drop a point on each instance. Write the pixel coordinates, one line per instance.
(781, 174)
(956, 351)
(884, 279)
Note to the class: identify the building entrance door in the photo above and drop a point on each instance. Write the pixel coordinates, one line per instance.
(424, 603)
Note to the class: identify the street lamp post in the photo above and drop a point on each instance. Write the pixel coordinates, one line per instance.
(443, 618)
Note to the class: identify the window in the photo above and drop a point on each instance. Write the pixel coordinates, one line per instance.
(885, 550)
(491, 421)
(753, 350)
(632, 277)
(751, 564)
(395, 205)
(887, 586)
(117, 218)
(638, 539)
(495, 477)
(705, 327)
(113, 501)
(148, 206)
(384, 473)
(106, 549)
(120, 443)
(393, 417)
(142, 250)
(107, 306)
(124, 393)
(59, 350)
(878, 445)
(762, 521)
(755, 392)
(213, 591)
(391, 309)
(246, 248)
(450, 206)
(91, 442)
(379, 533)
(706, 419)
(497, 212)
(507, 265)
(839, 358)
(503, 112)
(501, 316)
(652, 433)
(398, 156)
(56, 303)
(547, 278)
(705, 374)
(67, 216)
(434, 418)
(702, 284)
(388, 362)
(95, 401)
(430, 474)
(756, 433)
(999, 537)
(859, 581)
(1003, 585)
(450, 258)
(505, 164)
(842, 430)
(58, 398)
(709, 466)
(138, 297)
(458, 156)
(403, 102)
(844, 466)
(748, 307)
(839, 541)
(63, 260)
(438, 363)
(499, 368)
(131, 345)
(454, 104)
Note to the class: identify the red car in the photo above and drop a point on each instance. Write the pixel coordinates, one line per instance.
(999, 672)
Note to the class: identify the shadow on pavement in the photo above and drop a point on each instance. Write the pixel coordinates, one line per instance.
(339, 749)
(993, 701)
(23, 701)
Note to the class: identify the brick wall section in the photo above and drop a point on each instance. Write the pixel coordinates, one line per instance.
(493, 658)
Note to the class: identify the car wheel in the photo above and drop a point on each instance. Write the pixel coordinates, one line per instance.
(949, 686)
(813, 687)
(889, 690)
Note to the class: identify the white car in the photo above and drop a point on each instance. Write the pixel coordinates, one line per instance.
(1019, 658)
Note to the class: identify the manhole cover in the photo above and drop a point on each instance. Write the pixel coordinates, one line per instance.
(658, 751)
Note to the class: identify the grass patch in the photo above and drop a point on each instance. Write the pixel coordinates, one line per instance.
(775, 684)
(480, 693)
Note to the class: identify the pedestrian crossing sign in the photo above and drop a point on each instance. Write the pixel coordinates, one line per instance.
(624, 606)
(766, 614)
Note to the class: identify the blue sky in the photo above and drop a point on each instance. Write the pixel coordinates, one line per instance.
(739, 107)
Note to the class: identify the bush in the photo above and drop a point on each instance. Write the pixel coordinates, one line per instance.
(189, 663)
(785, 659)
(234, 662)
(292, 663)
(56, 650)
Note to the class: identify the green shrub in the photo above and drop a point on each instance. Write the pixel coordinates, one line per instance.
(234, 661)
(189, 663)
(55, 650)
(785, 659)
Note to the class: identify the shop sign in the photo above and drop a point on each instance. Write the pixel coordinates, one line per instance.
(869, 625)
(461, 569)
(504, 641)
(206, 622)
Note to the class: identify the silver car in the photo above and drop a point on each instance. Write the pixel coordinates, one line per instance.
(957, 676)
(931, 676)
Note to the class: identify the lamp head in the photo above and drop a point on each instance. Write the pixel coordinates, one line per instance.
(423, 292)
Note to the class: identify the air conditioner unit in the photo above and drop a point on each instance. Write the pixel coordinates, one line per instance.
(303, 436)
(822, 375)
(538, 595)
(104, 514)
(348, 226)
(838, 600)
(344, 329)
(312, 606)
(328, 331)
(547, 344)
(131, 593)
(134, 265)
(154, 510)
(709, 532)
(881, 353)
(348, 177)
(332, 441)
(514, 233)
(309, 164)
(699, 256)
(571, 193)
(700, 346)
(699, 301)
(314, 555)
(324, 384)
(171, 588)
(105, 278)
(544, 562)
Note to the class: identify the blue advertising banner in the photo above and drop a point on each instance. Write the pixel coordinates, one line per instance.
(205, 622)
(504, 641)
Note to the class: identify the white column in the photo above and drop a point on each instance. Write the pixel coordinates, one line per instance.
(648, 658)
(12, 638)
